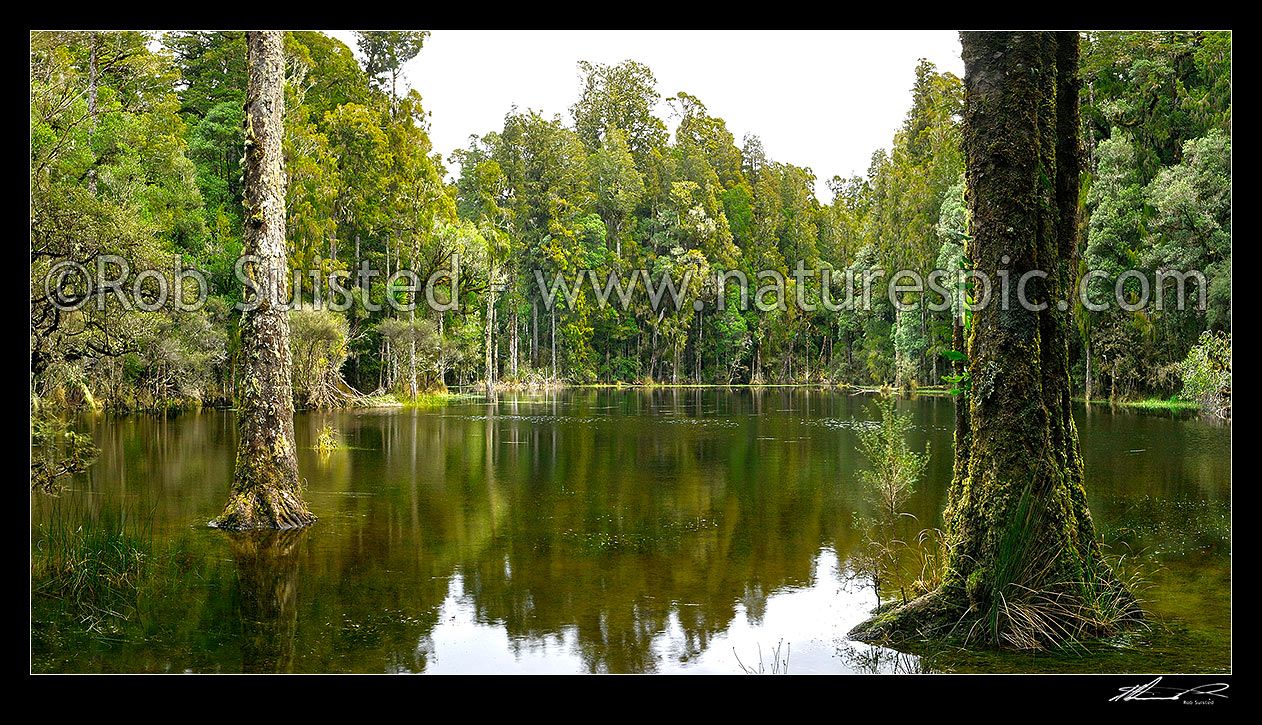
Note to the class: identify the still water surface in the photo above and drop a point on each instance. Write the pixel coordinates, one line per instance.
(604, 531)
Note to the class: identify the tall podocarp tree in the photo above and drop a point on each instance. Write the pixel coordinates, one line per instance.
(266, 491)
(1023, 566)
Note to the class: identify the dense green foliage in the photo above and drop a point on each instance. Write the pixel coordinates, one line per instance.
(151, 172)
(1157, 125)
(1206, 374)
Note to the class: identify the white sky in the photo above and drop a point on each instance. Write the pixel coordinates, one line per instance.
(820, 99)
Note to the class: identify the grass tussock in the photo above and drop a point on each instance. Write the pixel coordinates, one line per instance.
(1067, 615)
(95, 567)
(434, 399)
(1032, 607)
(1173, 403)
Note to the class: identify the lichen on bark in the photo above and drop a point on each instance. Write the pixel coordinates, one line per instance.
(1024, 567)
(266, 489)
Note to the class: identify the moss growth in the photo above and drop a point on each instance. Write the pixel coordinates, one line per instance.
(326, 440)
(1024, 568)
(264, 507)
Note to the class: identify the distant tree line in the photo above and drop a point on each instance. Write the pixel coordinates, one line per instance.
(136, 147)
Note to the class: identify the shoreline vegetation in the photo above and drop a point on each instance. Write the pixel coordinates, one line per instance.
(97, 578)
(142, 134)
(472, 391)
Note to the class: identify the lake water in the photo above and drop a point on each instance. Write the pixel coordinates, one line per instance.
(683, 530)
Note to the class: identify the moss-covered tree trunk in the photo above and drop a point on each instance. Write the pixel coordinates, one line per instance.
(266, 491)
(1023, 567)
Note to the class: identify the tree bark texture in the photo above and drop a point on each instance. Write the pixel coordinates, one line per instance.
(266, 490)
(1023, 564)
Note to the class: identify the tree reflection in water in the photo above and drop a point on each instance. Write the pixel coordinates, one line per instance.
(590, 531)
(267, 590)
(868, 660)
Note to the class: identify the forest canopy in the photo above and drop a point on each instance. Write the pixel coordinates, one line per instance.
(136, 147)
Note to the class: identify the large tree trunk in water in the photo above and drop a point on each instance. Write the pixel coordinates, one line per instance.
(1024, 568)
(266, 491)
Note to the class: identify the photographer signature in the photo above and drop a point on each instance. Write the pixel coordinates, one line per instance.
(1151, 691)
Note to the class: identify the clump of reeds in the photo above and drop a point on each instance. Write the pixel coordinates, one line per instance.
(779, 664)
(97, 564)
(94, 564)
(1032, 607)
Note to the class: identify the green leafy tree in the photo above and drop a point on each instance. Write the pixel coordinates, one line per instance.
(621, 96)
(387, 51)
(1206, 374)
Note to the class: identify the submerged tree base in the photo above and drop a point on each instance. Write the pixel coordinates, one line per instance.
(930, 617)
(266, 508)
(1052, 618)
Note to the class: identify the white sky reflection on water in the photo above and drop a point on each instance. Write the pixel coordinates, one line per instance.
(811, 621)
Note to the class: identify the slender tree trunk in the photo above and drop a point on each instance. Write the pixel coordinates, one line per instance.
(442, 353)
(266, 490)
(1091, 162)
(934, 378)
(1087, 350)
(93, 80)
(1021, 542)
(412, 375)
(489, 336)
(387, 354)
(700, 339)
(515, 341)
(924, 335)
(755, 373)
(806, 361)
(412, 350)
